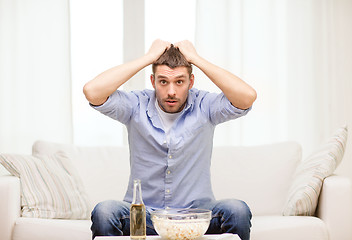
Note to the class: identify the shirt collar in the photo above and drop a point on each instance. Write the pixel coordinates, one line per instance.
(190, 100)
(152, 111)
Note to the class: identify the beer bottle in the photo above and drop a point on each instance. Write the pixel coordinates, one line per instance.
(137, 213)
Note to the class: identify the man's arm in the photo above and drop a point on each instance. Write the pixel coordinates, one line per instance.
(239, 93)
(101, 87)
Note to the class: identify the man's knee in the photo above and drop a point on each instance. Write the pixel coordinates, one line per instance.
(235, 207)
(239, 208)
(110, 218)
(237, 218)
(109, 209)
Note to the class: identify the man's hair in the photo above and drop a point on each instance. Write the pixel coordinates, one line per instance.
(172, 58)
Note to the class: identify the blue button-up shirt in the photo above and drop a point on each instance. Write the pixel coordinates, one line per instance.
(173, 173)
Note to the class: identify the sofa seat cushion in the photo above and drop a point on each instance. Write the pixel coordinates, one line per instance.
(53, 229)
(263, 228)
(288, 228)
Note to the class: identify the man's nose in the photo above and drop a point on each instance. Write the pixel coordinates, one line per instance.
(171, 90)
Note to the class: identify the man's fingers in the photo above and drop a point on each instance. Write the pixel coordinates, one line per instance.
(158, 47)
(187, 49)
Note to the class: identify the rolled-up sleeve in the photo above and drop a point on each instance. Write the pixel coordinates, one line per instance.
(119, 106)
(221, 109)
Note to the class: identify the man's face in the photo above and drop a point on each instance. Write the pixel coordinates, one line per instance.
(171, 87)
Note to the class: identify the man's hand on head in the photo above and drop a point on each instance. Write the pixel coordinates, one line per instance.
(238, 92)
(188, 50)
(157, 48)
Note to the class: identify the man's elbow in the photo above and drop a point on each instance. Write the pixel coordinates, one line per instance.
(88, 92)
(252, 96)
(247, 101)
(91, 95)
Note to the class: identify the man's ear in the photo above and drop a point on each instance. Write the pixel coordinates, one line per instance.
(152, 80)
(191, 81)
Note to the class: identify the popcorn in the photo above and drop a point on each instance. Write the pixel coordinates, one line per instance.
(185, 229)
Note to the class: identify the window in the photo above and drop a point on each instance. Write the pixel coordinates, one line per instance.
(96, 45)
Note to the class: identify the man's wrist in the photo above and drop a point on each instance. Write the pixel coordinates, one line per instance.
(197, 60)
(147, 59)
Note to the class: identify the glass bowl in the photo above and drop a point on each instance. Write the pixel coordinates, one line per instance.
(181, 224)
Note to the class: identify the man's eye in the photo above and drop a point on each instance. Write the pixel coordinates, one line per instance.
(179, 82)
(163, 82)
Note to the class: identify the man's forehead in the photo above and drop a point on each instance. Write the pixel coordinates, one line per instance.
(163, 70)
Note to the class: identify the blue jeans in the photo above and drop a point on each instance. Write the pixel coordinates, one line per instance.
(112, 218)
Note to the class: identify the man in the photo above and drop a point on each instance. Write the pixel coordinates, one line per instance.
(170, 134)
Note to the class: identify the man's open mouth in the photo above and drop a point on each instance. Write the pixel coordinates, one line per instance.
(171, 102)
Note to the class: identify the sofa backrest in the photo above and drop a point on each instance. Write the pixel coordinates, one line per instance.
(104, 170)
(259, 175)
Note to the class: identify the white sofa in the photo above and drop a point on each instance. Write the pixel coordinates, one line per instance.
(260, 175)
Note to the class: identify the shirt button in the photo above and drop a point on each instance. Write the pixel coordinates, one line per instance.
(170, 156)
(168, 172)
(167, 190)
(165, 142)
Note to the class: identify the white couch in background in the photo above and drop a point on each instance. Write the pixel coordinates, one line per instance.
(259, 175)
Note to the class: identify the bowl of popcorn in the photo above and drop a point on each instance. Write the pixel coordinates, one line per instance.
(181, 224)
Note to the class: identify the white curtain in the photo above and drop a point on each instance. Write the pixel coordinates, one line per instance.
(296, 54)
(35, 85)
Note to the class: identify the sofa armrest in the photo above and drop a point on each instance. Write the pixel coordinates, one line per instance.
(335, 207)
(10, 205)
